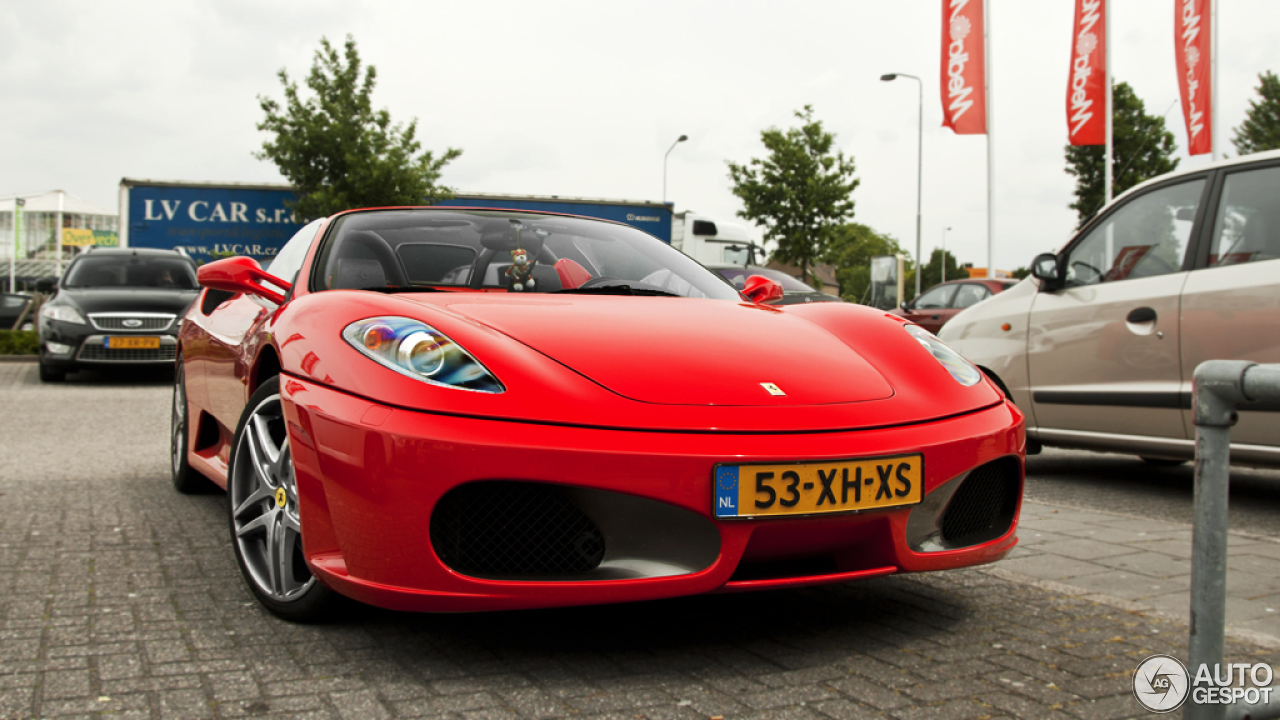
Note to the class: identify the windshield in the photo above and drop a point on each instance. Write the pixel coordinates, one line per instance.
(496, 250)
(738, 276)
(143, 271)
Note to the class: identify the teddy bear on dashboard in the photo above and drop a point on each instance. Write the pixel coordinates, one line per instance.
(521, 271)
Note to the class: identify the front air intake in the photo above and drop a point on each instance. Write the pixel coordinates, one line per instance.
(514, 529)
(983, 507)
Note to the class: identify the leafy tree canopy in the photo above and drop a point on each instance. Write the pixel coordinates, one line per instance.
(337, 151)
(851, 248)
(800, 192)
(1141, 146)
(1261, 127)
(932, 271)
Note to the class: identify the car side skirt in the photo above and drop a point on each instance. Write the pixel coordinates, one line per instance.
(1241, 454)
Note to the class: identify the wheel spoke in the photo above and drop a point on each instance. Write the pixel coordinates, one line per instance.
(286, 540)
(259, 457)
(261, 493)
(282, 468)
(266, 443)
(262, 523)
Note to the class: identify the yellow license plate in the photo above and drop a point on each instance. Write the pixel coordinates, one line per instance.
(133, 343)
(812, 488)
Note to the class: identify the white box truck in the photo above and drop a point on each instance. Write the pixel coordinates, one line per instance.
(709, 240)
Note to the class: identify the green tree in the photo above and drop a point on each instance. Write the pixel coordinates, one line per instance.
(851, 248)
(1261, 127)
(1141, 149)
(800, 192)
(932, 271)
(337, 151)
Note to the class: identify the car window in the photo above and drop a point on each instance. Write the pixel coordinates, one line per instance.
(288, 261)
(1248, 224)
(935, 299)
(970, 294)
(521, 252)
(1145, 237)
(129, 270)
(738, 276)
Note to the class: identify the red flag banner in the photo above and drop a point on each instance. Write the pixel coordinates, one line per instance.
(1191, 28)
(964, 94)
(1087, 86)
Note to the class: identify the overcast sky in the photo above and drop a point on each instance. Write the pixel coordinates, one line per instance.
(583, 99)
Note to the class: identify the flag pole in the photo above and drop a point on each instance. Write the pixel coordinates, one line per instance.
(1106, 61)
(986, 78)
(1213, 81)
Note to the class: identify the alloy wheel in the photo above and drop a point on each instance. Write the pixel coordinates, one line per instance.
(264, 506)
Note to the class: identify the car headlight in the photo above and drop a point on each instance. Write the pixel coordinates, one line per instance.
(413, 348)
(63, 313)
(965, 372)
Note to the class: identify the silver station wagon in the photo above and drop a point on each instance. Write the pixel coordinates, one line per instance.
(1099, 346)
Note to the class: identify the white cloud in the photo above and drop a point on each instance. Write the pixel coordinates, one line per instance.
(576, 98)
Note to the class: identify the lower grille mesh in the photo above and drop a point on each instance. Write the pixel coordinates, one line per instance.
(500, 528)
(983, 507)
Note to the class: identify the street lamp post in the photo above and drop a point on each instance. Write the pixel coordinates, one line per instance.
(945, 230)
(890, 77)
(944, 253)
(679, 140)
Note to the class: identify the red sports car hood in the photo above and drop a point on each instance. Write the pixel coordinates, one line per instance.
(682, 351)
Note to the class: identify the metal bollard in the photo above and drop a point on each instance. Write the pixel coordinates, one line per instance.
(1220, 386)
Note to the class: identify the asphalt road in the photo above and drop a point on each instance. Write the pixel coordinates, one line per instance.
(1126, 484)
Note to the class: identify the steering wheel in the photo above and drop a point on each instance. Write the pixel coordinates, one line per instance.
(1098, 273)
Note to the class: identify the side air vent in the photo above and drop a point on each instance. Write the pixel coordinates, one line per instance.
(983, 507)
(213, 298)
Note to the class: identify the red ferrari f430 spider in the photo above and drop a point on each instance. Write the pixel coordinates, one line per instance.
(446, 409)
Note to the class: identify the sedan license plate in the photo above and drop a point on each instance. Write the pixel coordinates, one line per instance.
(132, 343)
(812, 488)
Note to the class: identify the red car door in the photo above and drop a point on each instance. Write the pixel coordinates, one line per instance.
(931, 309)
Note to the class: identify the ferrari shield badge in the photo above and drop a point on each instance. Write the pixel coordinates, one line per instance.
(772, 389)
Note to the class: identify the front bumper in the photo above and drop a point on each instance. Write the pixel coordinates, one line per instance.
(88, 346)
(370, 476)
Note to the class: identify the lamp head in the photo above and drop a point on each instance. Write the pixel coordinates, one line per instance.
(889, 77)
(682, 138)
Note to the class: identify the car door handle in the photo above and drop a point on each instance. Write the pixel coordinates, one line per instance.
(934, 317)
(1141, 315)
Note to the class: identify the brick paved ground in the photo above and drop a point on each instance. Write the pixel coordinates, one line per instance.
(120, 598)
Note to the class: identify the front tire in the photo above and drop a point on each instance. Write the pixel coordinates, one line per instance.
(51, 374)
(186, 480)
(266, 531)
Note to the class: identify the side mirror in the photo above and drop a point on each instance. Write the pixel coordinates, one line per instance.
(904, 306)
(1045, 269)
(241, 275)
(760, 289)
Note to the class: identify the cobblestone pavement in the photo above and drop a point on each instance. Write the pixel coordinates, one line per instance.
(120, 598)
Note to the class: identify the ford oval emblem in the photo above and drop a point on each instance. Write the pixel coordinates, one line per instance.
(132, 323)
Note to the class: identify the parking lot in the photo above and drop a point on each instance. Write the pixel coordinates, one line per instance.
(120, 598)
